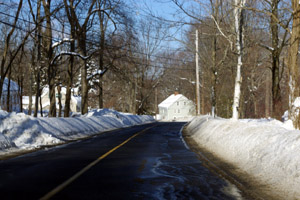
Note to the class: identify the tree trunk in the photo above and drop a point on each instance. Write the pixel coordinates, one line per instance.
(214, 77)
(68, 101)
(8, 103)
(132, 98)
(71, 19)
(294, 114)
(84, 85)
(84, 80)
(20, 92)
(30, 92)
(37, 94)
(101, 54)
(52, 111)
(100, 98)
(267, 99)
(202, 103)
(70, 77)
(41, 105)
(37, 48)
(5, 51)
(253, 93)
(135, 92)
(1, 85)
(59, 101)
(81, 31)
(238, 16)
(276, 92)
(49, 56)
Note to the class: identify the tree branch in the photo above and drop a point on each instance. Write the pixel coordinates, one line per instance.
(65, 53)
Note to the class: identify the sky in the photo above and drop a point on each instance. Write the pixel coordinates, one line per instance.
(165, 9)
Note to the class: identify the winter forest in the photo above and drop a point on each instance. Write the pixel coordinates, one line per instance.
(117, 58)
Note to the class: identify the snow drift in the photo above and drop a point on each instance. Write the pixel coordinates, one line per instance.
(20, 131)
(264, 149)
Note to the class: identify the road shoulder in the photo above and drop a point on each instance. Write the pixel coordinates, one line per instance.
(250, 188)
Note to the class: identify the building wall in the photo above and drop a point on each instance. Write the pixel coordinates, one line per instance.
(14, 97)
(46, 102)
(14, 101)
(182, 108)
(163, 112)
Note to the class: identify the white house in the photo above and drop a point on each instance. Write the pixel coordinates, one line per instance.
(176, 107)
(75, 104)
(14, 97)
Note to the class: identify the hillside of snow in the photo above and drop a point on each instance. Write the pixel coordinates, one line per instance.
(23, 132)
(263, 149)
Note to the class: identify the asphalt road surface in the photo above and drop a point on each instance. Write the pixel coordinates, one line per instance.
(142, 162)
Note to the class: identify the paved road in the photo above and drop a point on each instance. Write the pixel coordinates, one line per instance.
(152, 162)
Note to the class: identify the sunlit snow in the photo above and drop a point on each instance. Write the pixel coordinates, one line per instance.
(265, 149)
(23, 132)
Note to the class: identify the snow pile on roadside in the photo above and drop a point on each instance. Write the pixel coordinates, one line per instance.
(264, 149)
(20, 131)
(126, 118)
(5, 143)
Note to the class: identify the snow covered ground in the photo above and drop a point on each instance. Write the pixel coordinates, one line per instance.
(22, 132)
(267, 150)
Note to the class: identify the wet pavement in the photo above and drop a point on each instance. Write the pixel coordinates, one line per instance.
(155, 164)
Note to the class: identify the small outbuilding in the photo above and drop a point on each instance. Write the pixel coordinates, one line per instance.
(176, 107)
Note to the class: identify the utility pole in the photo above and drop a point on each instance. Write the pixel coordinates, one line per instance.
(197, 75)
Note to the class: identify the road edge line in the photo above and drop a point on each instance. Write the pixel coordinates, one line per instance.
(89, 166)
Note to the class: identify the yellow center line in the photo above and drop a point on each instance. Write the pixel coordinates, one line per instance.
(78, 174)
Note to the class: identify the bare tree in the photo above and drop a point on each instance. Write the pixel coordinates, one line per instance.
(106, 9)
(49, 54)
(294, 107)
(238, 21)
(82, 27)
(152, 33)
(7, 60)
(70, 71)
(36, 54)
(277, 22)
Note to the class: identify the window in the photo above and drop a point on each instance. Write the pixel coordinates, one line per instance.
(178, 110)
(177, 103)
(184, 103)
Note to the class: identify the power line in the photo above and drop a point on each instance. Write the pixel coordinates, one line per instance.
(88, 41)
(93, 43)
(162, 67)
(128, 56)
(135, 58)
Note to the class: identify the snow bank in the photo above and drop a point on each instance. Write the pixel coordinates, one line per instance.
(20, 131)
(264, 149)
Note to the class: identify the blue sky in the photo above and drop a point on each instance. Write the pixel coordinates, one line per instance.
(164, 8)
(161, 8)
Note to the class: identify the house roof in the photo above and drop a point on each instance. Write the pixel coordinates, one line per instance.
(170, 100)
